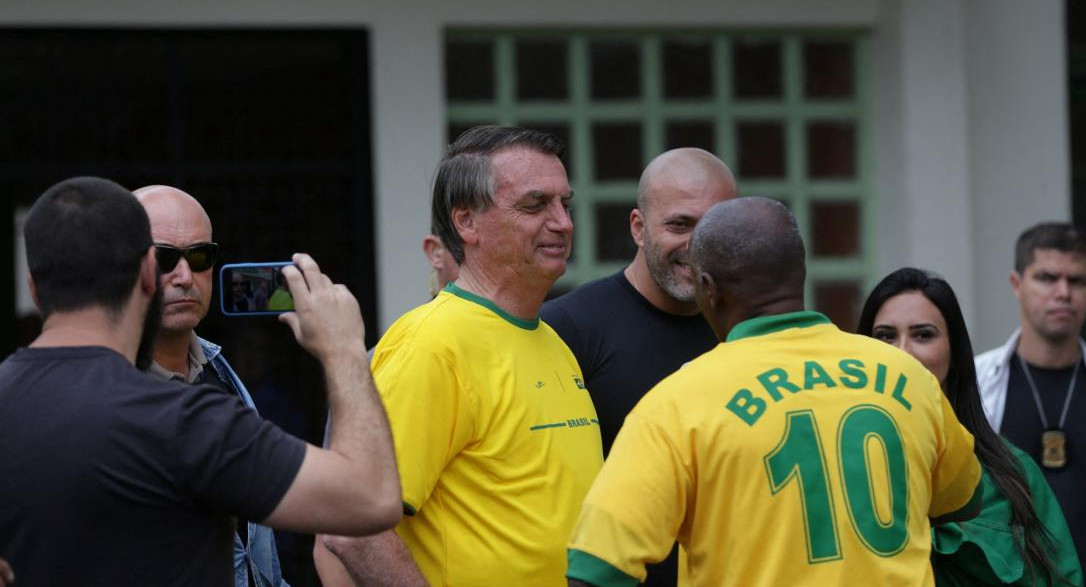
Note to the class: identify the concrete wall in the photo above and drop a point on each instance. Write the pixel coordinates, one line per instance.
(963, 90)
(971, 142)
(922, 144)
(1019, 139)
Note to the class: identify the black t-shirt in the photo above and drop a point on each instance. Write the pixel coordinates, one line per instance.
(625, 346)
(1022, 426)
(109, 476)
(623, 343)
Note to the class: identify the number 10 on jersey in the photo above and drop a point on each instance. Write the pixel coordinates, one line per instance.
(800, 457)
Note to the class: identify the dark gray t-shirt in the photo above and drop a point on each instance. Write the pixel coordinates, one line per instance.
(109, 476)
(624, 344)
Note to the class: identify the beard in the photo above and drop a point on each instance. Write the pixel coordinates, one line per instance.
(663, 271)
(151, 324)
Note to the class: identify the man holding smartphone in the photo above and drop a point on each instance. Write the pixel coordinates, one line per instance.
(181, 231)
(109, 476)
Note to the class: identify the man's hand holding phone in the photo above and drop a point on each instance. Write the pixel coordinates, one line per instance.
(326, 319)
(352, 486)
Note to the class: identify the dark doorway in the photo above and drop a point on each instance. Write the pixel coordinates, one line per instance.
(270, 130)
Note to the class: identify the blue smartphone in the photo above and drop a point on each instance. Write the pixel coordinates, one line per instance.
(254, 289)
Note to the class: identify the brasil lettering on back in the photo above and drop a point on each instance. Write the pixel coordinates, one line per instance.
(777, 384)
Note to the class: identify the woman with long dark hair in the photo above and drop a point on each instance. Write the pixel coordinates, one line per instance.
(1020, 536)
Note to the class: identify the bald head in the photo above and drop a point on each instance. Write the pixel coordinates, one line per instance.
(688, 170)
(165, 202)
(675, 191)
(179, 221)
(751, 249)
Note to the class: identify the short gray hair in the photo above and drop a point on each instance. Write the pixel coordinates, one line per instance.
(464, 179)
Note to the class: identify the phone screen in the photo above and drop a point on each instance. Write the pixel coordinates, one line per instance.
(247, 289)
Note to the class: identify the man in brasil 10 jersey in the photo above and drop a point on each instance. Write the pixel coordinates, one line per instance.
(793, 454)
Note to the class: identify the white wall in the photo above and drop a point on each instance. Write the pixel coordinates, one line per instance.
(409, 131)
(971, 142)
(24, 301)
(1018, 132)
(891, 207)
(937, 142)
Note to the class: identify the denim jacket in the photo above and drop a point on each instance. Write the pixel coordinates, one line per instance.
(261, 557)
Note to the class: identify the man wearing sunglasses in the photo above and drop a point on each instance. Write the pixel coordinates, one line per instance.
(181, 230)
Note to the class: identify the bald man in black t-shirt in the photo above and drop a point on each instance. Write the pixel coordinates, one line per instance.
(631, 329)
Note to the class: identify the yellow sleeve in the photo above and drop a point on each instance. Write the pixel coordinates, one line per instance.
(633, 511)
(956, 476)
(432, 417)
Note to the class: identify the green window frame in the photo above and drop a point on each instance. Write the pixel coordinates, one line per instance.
(835, 214)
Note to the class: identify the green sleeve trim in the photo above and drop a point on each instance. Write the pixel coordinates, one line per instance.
(478, 299)
(595, 571)
(967, 511)
(408, 509)
(770, 324)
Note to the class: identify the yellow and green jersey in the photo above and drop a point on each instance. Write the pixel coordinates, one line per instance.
(497, 441)
(792, 454)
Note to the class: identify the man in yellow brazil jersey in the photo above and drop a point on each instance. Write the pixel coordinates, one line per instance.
(793, 454)
(493, 427)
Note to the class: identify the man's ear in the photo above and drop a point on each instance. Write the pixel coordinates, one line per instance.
(434, 251)
(466, 225)
(1016, 284)
(637, 227)
(148, 279)
(708, 286)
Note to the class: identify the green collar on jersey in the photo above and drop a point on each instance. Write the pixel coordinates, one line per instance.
(775, 323)
(478, 299)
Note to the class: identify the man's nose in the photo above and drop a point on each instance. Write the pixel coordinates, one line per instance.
(1063, 287)
(685, 246)
(181, 274)
(560, 218)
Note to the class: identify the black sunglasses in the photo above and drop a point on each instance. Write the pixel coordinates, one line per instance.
(200, 257)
